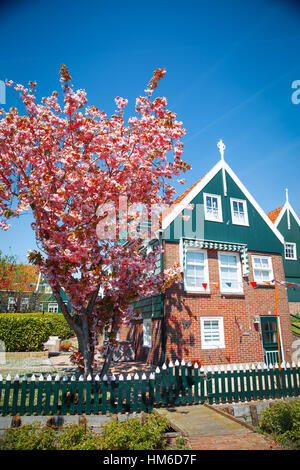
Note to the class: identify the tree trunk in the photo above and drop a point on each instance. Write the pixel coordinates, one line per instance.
(107, 361)
(85, 347)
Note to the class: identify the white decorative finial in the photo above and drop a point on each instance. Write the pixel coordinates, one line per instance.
(221, 146)
(288, 209)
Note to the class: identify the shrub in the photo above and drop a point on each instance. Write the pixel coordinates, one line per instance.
(283, 421)
(131, 434)
(28, 437)
(28, 331)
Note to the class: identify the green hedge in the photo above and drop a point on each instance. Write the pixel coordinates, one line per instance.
(28, 331)
(131, 434)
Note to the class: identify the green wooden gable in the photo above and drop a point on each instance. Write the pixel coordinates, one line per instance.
(258, 236)
(291, 267)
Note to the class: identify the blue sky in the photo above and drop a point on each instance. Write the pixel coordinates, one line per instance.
(230, 65)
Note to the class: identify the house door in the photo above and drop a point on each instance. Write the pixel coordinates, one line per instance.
(270, 340)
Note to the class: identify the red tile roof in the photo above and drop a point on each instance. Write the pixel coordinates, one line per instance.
(274, 214)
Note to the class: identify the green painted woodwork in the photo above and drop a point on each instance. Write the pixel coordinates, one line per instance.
(291, 267)
(175, 385)
(258, 235)
(150, 307)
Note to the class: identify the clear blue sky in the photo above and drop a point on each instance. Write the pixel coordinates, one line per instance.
(230, 65)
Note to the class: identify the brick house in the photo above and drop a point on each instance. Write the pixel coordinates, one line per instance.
(287, 222)
(223, 311)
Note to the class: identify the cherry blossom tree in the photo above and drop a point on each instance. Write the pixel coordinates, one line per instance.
(67, 162)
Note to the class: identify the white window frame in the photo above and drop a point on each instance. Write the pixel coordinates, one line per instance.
(53, 305)
(220, 213)
(220, 344)
(270, 269)
(229, 289)
(294, 257)
(244, 202)
(147, 339)
(24, 302)
(206, 273)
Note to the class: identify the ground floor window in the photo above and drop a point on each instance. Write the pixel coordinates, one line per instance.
(212, 332)
(53, 307)
(147, 332)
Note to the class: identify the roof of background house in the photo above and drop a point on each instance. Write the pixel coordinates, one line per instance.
(274, 214)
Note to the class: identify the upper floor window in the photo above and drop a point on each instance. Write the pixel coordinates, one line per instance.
(230, 273)
(147, 332)
(290, 251)
(196, 271)
(239, 212)
(262, 268)
(213, 207)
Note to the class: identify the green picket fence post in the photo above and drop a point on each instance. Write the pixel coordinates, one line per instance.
(32, 388)
(6, 395)
(190, 382)
(218, 379)
(171, 394)
(56, 388)
(183, 373)
(157, 398)
(288, 373)
(242, 383)
(236, 394)
(254, 382)
(24, 387)
(128, 392)
(136, 386)
(202, 384)
(64, 396)
(151, 392)
(278, 381)
(272, 381)
(40, 390)
(295, 372)
(104, 389)
(283, 378)
(248, 383)
(144, 401)
(96, 388)
(120, 393)
(209, 384)
(164, 385)
(267, 391)
(72, 395)
(16, 387)
(1, 388)
(178, 384)
(48, 384)
(196, 383)
(79, 406)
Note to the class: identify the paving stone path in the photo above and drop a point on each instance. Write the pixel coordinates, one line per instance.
(205, 429)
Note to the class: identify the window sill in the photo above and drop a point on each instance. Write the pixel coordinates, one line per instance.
(221, 346)
(228, 294)
(213, 220)
(242, 225)
(201, 292)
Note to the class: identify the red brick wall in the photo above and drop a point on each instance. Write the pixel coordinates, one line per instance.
(237, 312)
(294, 307)
(148, 355)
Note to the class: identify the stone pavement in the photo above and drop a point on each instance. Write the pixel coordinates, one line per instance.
(206, 429)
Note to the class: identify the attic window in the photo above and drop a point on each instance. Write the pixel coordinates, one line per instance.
(239, 213)
(290, 251)
(213, 207)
